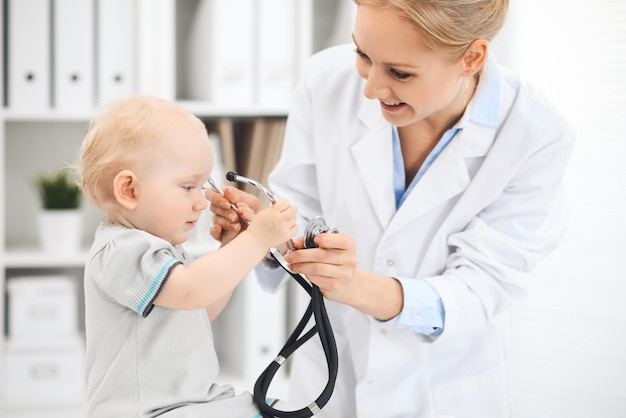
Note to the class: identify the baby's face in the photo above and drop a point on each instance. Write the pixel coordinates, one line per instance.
(170, 192)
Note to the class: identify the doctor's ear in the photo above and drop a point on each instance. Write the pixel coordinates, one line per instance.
(125, 189)
(475, 56)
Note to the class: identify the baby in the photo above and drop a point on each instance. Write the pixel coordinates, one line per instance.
(145, 162)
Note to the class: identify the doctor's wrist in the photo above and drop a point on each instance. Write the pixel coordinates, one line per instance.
(381, 297)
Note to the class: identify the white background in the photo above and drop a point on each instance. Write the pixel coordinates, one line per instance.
(569, 336)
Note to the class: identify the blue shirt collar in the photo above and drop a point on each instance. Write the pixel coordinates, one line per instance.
(484, 108)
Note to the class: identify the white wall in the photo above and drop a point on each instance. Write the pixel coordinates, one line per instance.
(569, 336)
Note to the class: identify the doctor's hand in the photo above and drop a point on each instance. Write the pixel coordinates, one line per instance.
(228, 223)
(334, 268)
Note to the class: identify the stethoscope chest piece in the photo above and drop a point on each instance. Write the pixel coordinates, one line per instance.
(316, 226)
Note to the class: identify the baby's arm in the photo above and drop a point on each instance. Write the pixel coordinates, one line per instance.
(209, 280)
(215, 309)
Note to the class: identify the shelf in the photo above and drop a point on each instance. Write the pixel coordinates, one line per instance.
(207, 109)
(198, 108)
(42, 408)
(35, 258)
(47, 116)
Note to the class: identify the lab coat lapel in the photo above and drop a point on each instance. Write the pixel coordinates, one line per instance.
(447, 176)
(374, 158)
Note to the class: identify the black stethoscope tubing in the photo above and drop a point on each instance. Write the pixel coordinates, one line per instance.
(323, 329)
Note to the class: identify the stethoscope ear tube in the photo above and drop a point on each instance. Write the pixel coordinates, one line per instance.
(322, 327)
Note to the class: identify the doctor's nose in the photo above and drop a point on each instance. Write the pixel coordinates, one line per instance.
(375, 87)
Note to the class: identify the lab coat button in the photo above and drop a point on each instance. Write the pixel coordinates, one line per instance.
(390, 263)
(384, 331)
(417, 319)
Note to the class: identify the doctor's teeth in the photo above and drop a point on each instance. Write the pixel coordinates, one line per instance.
(391, 104)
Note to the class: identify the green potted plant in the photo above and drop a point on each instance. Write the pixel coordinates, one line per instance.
(58, 192)
(60, 217)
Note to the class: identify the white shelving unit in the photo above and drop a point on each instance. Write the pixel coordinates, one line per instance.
(40, 141)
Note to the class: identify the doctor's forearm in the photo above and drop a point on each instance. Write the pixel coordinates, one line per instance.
(378, 296)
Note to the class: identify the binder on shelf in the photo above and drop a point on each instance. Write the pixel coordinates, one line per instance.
(217, 173)
(259, 145)
(157, 60)
(225, 131)
(116, 49)
(252, 151)
(274, 147)
(220, 51)
(28, 63)
(343, 24)
(277, 51)
(73, 37)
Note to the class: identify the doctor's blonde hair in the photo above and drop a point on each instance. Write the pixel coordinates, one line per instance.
(125, 130)
(450, 26)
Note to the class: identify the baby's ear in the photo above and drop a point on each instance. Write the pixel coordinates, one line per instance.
(124, 189)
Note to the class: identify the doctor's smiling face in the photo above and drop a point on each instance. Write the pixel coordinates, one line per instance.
(412, 82)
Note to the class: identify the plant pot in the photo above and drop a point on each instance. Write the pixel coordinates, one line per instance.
(60, 230)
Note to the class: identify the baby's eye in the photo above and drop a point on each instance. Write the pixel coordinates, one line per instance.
(188, 188)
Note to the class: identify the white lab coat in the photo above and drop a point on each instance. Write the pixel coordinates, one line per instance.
(475, 225)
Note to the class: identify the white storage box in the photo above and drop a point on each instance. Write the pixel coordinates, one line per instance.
(42, 372)
(42, 308)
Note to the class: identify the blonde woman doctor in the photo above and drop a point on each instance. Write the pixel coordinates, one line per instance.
(442, 172)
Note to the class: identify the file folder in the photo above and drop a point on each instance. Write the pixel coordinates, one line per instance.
(73, 55)
(277, 51)
(28, 63)
(116, 49)
(220, 52)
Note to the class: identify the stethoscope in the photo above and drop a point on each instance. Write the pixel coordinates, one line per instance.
(316, 308)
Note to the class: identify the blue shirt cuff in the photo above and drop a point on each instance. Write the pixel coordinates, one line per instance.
(423, 310)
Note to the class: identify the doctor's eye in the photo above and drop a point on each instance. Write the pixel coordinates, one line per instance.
(399, 74)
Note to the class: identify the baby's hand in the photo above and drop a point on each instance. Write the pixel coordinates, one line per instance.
(276, 224)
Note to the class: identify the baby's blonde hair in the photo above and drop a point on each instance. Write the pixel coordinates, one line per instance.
(450, 26)
(123, 132)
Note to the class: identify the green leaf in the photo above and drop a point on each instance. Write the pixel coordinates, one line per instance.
(58, 191)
